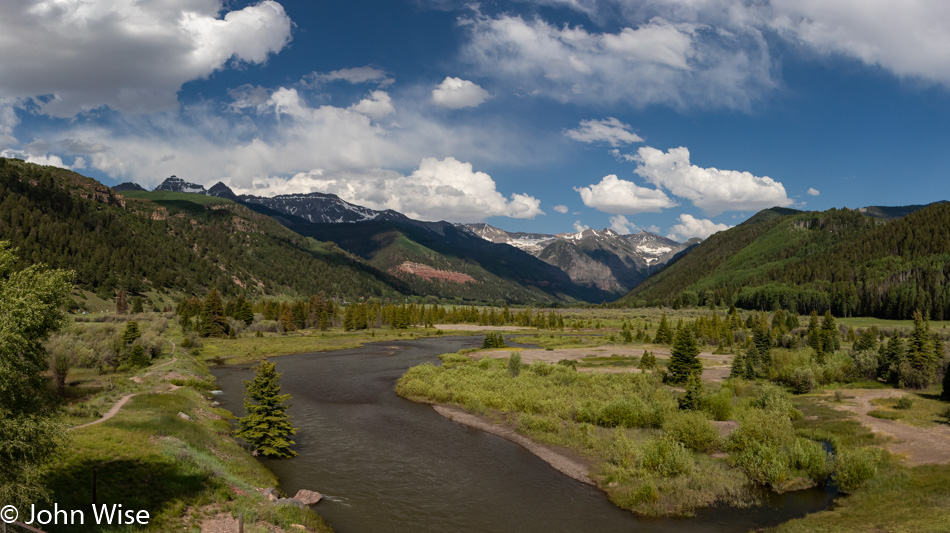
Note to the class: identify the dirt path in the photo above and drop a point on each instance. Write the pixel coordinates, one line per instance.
(920, 445)
(575, 467)
(112, 412)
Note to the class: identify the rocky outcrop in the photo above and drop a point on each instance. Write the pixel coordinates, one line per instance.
(308, 497)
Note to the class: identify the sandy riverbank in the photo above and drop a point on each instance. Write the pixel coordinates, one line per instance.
(563, 461)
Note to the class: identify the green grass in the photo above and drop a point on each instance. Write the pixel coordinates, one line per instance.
(898, 500)
(249, 348)
(925, 409)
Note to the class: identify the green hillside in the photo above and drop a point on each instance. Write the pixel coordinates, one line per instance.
(842, 260)
(167, 241)
(497, 272)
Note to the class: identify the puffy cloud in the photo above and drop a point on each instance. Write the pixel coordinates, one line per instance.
(812, 191)
(910, 38)
(608, 130)
(657, 61)
(561, 209)
(691, 226)
(710, 189)
(131, 56)
(40, 159)
(440, 189)
(621, 225)
(8, 120)
(579, 228)
(456, 93)
(378, 105)
(622, 197)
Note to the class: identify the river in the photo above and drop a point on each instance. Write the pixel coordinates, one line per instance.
(386, 464)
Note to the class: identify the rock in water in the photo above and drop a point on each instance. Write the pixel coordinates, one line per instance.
(308, 497)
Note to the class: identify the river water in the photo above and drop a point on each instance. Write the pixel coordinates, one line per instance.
(386, 464)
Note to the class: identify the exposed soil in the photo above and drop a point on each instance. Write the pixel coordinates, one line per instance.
(562, 460)
(428, 273)
(112, 412)
(919, 445)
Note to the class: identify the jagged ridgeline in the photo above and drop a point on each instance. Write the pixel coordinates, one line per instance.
(164, 240)
(883, 262)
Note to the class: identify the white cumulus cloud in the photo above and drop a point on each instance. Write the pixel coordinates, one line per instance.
(608, 130)
(353, 75)
(132, 56)
(456, 93)
(653, 61)
(561, 209)
(812, 191)
(579, 228)
(711, 189)
(440, 189)
(622, 197)
(621, 225)
(691, 226)
(379, 104)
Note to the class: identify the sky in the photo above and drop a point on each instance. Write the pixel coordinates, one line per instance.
(681, 117)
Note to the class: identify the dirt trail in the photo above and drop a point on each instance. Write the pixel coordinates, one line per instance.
(112, 412)
(575, 467)
(920, 445)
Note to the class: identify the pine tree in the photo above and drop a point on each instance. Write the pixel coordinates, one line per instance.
(889, 356)
(266, 427)
(694, 393)
(137, 305)
(829, 334)
(213, 322)
(131, 332)
(919, 367)
(664, 334)
(738, 365)
(647, 361)
(683, 357)
(945, 394)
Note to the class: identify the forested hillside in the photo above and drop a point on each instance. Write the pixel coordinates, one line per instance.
(838, 260)
(141, 241)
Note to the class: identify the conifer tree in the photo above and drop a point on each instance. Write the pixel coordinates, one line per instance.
(829, 334)
(920, 361)
(647, 361)
(694, 393)
(684, 358)
(664, 334)
(945, 394)
(131, 332)
(266, 427)
(213, 323)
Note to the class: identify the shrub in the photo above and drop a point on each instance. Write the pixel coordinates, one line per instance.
(810, 457)
(763, 462)
(693, 430)
(666, 457)
(946, 414)
(620, 451)
(719, 404)
(853, 467)
(802, 380)
(760, 426)
(514, 364)
(865, 363)
(622, 413)
(904, 402)
(538, 424)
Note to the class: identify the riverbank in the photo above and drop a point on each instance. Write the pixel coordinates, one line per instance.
(562, 460)
(155, 439)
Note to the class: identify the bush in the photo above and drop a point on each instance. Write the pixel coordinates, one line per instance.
(763, 427)
(810, 457)
(514, 364)
(693, 430)
(763, 462)
(666, 457)
(719, 404)
(802, 380)
(865, 363)
(538, 424)
(904, 402)
(139, 357)
(620, 451)
(855, 466)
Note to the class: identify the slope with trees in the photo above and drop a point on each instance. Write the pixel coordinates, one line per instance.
(838, 260)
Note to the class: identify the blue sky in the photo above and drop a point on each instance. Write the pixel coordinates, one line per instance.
(682, 117)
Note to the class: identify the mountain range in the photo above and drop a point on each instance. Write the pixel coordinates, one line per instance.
(602, 265)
